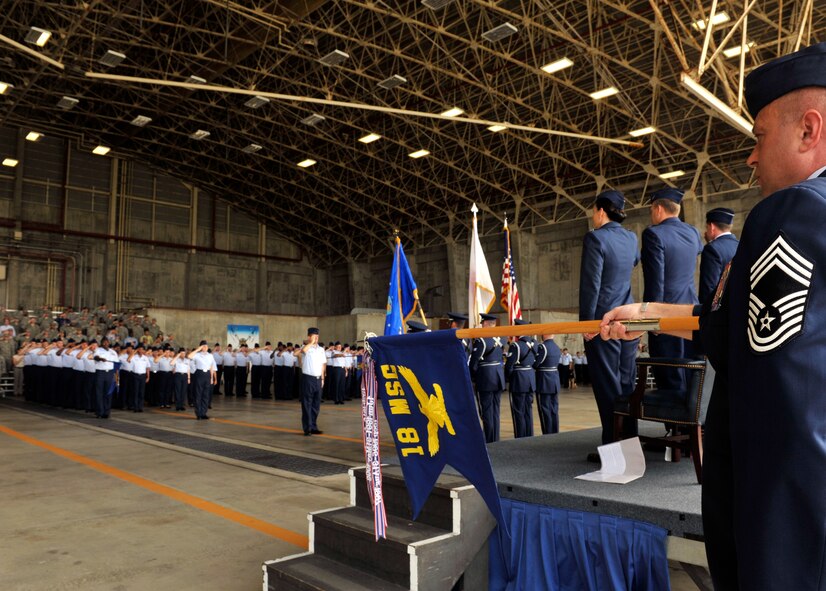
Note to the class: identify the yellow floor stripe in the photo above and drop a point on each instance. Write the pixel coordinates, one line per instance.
(161, 489)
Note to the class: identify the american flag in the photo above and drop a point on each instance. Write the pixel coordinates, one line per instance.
(510, 295)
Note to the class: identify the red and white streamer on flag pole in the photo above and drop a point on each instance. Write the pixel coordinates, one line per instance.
(372, 452)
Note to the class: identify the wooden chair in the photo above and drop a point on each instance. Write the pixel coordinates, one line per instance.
(686, 409)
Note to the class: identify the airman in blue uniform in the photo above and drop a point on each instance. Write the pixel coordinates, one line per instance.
(669, 259)
(488, 374)
(522, 382)
(609, 255)
(547, 384)
(458, 321)
(718, 252)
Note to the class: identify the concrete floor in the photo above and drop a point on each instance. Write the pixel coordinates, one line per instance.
(85, 508)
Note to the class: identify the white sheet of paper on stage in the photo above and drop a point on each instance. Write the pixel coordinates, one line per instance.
(622, 462)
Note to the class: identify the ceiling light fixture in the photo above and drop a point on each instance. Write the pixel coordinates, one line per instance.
(497, 128)
(38, 36)
(10, 162)
(436, 4)
(641, 131)
(719, 18)
(671, 175)
(558, 65)
(313, 119)
(722, 109)
(334, 58)
(67, 103)
(141, 121)
(498, 33)
(196, 80)
(452, 112)
(369, 138)
(252, 148)
(4, 86)
(737, 49)
(604, 93)
(306, 163)
(201, 134)
(111, 58)
(101, 150)
(419, 154)
(392, 82)
(257, 101)
(33, 136)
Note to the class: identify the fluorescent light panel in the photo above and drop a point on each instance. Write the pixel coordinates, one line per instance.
(257, 101)
(453, 112)
(369, 138)
(5, 86)
(38, 36)
(141, 121)
(334, 58)
(672, 175)
(498, 33)
(252, 148)
(604, 93)
(67, 102)
(719, 18)
(392, 82)
(195, 80)
(497, 128)
(641, 131)
(112, 58)
(558, 65)
(726, 112)
(313, 119)
(101, 150)
(306, 163)
(436, 4)
(201, 134)
(33, 136)
(419, 154)
(737, 49)
(10, 162)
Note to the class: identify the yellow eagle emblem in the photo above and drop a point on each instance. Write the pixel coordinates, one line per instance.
(431, 406)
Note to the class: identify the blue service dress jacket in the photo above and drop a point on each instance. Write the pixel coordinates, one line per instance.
(486, 365)
(547, 374)
(669, 259)
(519, 366)
(716, 255)
(766, 337)
(609, 255)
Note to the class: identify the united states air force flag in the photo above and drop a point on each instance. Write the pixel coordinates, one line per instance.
(403, 297)
(424, 384)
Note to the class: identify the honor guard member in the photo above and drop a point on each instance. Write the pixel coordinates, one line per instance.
(488, 373)
(229, 370)
(669, 259)
(609, 255)
(413, 326)
(522, 382)
(203, 370)
(218, 356)
(458, 321)
(255, 371)
(105, 359)
(313, 370)
(718, 251)
(764, 483)
(547, 384)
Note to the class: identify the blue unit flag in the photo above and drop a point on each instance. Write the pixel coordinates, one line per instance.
(424, 384)
(403, 296)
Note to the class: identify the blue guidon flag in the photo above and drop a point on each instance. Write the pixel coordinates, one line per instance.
(424, 384)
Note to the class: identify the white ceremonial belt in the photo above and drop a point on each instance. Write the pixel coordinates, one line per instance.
(548, 369)
(490, 363)
(523, 368)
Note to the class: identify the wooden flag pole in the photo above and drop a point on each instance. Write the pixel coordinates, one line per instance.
(583, 327)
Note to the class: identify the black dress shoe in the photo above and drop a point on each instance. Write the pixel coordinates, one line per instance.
(316, 432)
(306, 433)
(206, 418)
(593, 457)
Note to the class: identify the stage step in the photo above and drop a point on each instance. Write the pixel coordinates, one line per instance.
(312, 572)
(432, 553)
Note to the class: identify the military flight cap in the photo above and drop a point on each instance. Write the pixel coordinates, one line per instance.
(615, 198)
(520, 322)
(487, 316)
(720, 215)
(312, 330)
(779, 77)
(415, 326)
(456, 317)
(669, 193)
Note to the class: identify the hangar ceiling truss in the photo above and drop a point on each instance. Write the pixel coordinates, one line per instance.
(442, 54)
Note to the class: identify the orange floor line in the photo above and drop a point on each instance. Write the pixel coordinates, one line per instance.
(161, 489)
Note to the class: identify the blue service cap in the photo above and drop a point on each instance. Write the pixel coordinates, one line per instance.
(720, 215)
(312, 330)
(670, 193)
(806, 67)
(487, 316)
(93, 342)
(615, 198)
(415, 326)
(456, 317)
(520, 322)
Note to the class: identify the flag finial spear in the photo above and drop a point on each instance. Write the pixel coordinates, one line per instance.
(474, 209)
